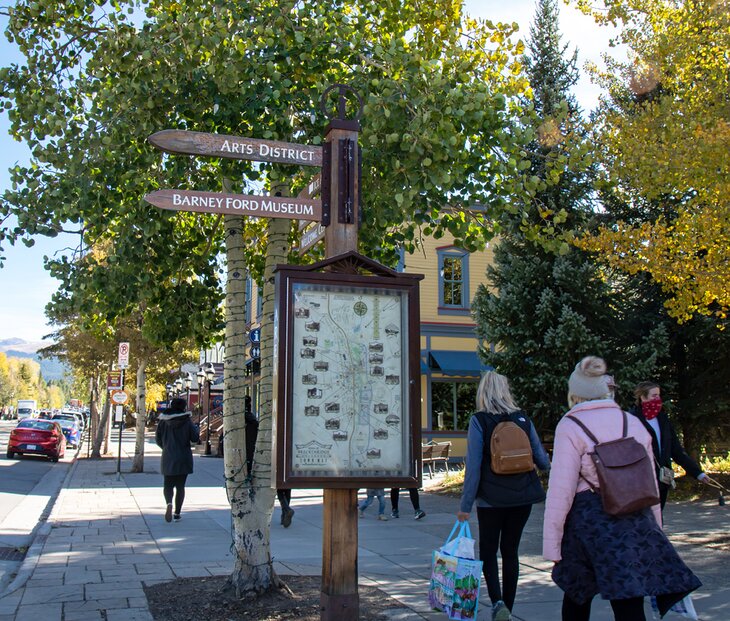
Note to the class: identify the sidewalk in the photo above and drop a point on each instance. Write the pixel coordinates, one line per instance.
(107, 538)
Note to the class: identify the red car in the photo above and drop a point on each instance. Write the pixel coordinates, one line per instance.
(35, 436)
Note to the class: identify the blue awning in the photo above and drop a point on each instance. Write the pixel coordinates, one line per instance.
(457, 362)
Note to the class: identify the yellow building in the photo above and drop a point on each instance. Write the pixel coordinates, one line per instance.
(450, 366)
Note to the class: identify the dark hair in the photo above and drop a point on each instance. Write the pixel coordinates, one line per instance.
(642, 390)
(177, 406)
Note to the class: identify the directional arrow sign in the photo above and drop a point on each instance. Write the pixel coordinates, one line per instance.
(237, 204)
(310, 237)
(236, 147)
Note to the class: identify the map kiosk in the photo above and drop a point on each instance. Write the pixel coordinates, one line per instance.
(347, 379)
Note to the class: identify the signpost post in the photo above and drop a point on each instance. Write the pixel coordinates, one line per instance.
(337, 218)
(122, 363)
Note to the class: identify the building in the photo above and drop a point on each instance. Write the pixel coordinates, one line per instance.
(450, 366)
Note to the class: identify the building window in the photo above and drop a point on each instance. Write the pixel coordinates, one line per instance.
(453, 281)
(259, 303)
(452, 404)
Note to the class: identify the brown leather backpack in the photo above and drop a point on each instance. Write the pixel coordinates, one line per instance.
(626, 479)
(510, 449)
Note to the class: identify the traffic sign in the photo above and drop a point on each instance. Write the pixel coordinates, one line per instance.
(237, 204)
(236, 147)
(255, 336)
(255, 351)
(114, 380)
(120, 397)
(123, 360)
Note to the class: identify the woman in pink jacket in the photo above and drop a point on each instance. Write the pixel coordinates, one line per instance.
(623, 558)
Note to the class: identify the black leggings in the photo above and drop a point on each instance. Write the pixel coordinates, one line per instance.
(176, 482)
(501, 528)
(284, 496)
(623, 609)
(412, 492)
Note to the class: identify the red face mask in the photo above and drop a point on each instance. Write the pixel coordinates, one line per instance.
(650, 409)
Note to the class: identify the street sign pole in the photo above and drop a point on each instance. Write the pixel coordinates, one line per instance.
(121, 426)
(339, 597)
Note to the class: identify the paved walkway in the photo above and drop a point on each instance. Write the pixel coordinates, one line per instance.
(106, 538)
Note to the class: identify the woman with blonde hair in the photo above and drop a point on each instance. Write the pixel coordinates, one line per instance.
(623, 558)
(504, 501)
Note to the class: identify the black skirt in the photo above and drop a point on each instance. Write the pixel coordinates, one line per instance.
(619, 557)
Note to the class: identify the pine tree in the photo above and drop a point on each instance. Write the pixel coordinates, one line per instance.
(544, 311)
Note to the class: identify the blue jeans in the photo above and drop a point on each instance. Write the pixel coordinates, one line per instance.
(372, 494)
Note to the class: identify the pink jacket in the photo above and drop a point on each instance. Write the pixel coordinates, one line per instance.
(571, 462)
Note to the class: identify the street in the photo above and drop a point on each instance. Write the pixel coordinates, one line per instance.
(20, 475)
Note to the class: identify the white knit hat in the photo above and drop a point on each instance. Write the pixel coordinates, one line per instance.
(589, 380)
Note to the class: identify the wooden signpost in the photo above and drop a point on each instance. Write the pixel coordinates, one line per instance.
(337, 218)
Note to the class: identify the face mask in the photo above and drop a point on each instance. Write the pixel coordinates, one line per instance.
(650, 409)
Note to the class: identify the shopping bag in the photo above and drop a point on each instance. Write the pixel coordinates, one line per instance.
(684, 608)
(455, 581)
(462, 545)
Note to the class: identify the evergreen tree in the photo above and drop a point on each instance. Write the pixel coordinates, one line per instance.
(546, 310)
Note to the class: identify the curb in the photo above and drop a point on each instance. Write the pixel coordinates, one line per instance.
(40, 534)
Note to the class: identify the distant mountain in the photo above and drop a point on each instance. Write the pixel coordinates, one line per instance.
(51, 368)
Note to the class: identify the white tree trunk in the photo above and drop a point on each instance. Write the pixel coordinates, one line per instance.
(138, 461)
(252, 498)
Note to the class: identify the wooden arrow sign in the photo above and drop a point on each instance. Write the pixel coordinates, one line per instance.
(237, 204)
(236, 147)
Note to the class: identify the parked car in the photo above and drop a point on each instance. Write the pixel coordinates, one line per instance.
(71, 431)
(76, 417)
(35, 436)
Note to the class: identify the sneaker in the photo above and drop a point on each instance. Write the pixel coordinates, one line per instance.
(168, 513)
(500, 612)
(394, 515)
(362, 513)
(382, 517)
(286, 517)
(176, 517)
(419, 515)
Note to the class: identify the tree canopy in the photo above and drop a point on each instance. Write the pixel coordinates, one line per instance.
(663, 135)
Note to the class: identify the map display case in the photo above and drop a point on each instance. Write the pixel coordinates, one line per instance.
(347, 376)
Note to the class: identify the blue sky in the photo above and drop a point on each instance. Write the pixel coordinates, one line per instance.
(26, 287)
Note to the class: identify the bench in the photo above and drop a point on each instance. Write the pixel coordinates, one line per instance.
(435, 452)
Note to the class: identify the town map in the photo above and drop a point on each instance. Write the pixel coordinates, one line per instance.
(349, 394)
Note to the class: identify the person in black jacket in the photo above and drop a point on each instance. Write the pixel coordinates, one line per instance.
(664, 440)
(175, 433)
(252, 432)
(503, 502)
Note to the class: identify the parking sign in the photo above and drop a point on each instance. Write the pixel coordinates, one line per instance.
(123, 360)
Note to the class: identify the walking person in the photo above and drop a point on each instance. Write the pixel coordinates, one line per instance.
(623, 558)
(372, 494)
(174, 435)
(664, 441)
(252, 431)
(504, 502)
(418, 513)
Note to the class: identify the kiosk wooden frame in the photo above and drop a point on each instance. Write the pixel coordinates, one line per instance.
(348, 281)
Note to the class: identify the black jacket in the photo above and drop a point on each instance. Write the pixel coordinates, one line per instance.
(175, 433)
(670, 449)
